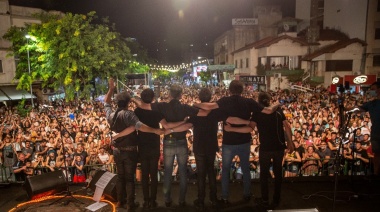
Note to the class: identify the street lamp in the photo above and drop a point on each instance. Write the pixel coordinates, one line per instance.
(208, 62)
(27, 50)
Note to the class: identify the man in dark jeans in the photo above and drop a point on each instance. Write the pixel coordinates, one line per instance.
(149, 146)
(273, 129)
(175, 143)
(205, 147)
(236, 143)
(125, 122)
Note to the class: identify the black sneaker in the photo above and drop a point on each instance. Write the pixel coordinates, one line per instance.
(153, 204)
(146, 204)
(168, 204)
(120, 204)
(247, 198)
(263, 203)
(133, 205)
(214, 203)
(274, 204)
(224, 201)
(199, 205)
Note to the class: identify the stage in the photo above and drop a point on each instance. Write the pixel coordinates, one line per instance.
(353, 194)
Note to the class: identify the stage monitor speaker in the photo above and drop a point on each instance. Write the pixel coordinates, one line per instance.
(110, 190)
(46, 184)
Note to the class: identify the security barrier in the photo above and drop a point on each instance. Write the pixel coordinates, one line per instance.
(309, 168)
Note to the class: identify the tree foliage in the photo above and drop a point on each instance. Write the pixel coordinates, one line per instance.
(205, 76)
(69, 52)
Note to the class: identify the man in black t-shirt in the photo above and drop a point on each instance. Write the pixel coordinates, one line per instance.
(273, 129)
(205, 147)
(236, 143)
(175, 143)
(361, 159)
(149, 146)
(125, 122)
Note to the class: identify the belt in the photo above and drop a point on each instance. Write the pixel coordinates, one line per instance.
(127, 148)
(167, 137)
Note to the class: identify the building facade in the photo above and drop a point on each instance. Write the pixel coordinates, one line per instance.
(326, 39)
(18, 16)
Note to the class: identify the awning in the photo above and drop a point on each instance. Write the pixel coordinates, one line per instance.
(228, 67)
(10, 93)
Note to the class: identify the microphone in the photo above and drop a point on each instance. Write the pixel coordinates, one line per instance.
(352, 111)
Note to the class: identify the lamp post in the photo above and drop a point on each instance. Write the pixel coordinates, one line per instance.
(208, 62)
(27, 50)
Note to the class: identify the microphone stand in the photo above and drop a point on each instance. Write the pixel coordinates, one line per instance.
(343, 128)
(64, 151)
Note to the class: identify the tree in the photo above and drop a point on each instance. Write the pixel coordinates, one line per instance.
(69, 52)
(205, 76)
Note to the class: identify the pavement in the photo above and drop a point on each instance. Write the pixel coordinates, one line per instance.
(356, 193)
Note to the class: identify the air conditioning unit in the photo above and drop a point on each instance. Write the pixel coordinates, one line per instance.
(47, 90)
(277, 75)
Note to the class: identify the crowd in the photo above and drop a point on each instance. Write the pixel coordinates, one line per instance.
(60, 134)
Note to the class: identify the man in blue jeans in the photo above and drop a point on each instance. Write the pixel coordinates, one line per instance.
(175, 143)
(274, 130)
(236, 143)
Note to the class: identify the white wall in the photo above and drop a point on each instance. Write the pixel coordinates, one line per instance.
(303, 12)
(349, 16)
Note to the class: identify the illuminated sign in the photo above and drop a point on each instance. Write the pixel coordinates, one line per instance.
(253, 79)
(360, 79)
(244, 21)
(335, 80)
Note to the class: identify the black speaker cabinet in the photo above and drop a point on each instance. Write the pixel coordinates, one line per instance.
(45, 184)
(110, 190)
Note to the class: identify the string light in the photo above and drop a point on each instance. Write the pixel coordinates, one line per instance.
(175, 67)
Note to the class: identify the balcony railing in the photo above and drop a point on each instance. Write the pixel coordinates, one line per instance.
(284, 72)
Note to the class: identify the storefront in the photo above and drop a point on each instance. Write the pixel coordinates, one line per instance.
(255, 83)
(352, 83)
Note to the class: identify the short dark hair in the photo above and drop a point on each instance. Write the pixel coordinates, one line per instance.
(236, 87)
(377, 83)
(205, 95)
(147, 95)
(264, 99)
(175, 91)
(123, 99)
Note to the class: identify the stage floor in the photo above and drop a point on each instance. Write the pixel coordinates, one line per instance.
(358, 194)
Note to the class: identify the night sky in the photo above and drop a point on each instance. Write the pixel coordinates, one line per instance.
(152, 22)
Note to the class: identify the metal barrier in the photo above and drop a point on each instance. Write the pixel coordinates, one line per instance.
(308, 168)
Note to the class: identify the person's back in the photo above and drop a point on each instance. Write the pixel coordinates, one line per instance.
(271, 130)
(149, 149)
(175, 143)
(205, 146)
(237, 143)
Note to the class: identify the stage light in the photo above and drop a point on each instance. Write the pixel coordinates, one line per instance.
(56, 197)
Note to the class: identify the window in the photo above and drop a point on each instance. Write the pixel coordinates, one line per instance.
(1, 66)
(246, 62)
(236, 64)
(241, 63)
(376, 60)
(339, 65)
(226, 58)
(321, 4)
(377, 33)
